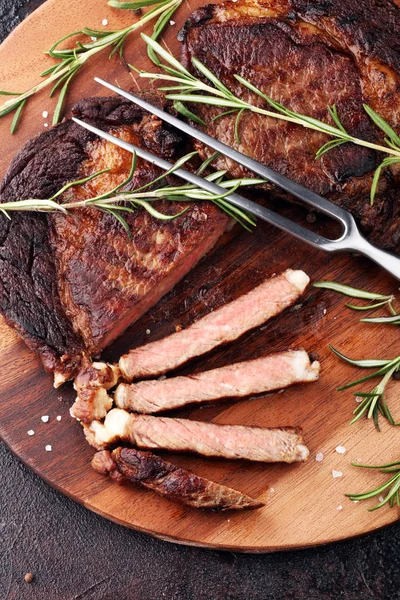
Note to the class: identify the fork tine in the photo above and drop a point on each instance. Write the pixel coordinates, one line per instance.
(251, 207)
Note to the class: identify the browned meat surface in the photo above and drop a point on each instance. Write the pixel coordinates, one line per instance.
(92, 383)
(219, 327)
(283, 444)
(233, 381)
(151, 471)
(70, 285)
(308, 55)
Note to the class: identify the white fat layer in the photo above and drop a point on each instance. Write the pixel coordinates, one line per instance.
(101, 434)
(59, 379)
(117, 423)
(302, 452)
(120, 396)
(102, 404)
(303, 369)
(297, 278)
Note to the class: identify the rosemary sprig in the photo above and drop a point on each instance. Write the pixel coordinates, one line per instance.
(71, 60)
(116, 201)
(392, 485)
(372, 403)
(210, 90)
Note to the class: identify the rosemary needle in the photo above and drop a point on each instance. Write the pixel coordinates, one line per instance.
(210, 90)
(116, 202)
(71, 60)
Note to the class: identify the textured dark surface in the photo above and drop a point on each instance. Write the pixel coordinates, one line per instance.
(75, 555)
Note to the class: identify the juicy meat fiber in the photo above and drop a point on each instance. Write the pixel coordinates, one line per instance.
(308, 55)
(219, 327)
(151, 471)
(240, 379)
(284, 444)
(71, 284)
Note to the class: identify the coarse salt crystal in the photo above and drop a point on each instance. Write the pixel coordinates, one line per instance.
(172, 22)
(319, 457)
(148, 331)
(94, 39)
(325, 311)
(45, 418)
(359, 399)
(355, 501)
(48, 448)
(45, 114)
(31, 432)
(340, 507)
(59, 418)
(45, 124)
(381, 498)
(272, 490)
(104, 22)
(340, 449)
(358, 459)
(336, 474)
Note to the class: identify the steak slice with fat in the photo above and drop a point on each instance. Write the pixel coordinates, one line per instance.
(232, 381)
(153, 472)
(70, 285)
(279, 444)
(218, 327)
(308, 56)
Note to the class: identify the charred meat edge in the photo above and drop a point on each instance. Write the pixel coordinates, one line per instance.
(167, 480)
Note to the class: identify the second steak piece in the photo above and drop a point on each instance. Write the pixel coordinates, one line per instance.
(219, 327)
(238, 380)
(278, 444)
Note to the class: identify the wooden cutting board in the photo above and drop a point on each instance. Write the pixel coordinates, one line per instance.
(306, 505)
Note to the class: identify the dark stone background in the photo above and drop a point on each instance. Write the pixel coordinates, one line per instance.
(75, 554)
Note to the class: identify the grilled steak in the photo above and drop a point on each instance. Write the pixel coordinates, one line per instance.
(71, 284)
(283, 444)
(151, 471)
(308, 55)
(233, 381)
(219, 327)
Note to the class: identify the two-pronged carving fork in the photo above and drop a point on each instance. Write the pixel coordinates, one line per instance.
(351, 239)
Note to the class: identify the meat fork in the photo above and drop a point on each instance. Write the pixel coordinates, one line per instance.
(351, 239)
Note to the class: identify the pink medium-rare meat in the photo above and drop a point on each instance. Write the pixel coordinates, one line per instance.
(164, 478)
(238, 380)
(280, 444)
(219, 327)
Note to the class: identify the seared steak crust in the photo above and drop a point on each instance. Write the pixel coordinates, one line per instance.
(151, 471)
(70, 285)
(308, 55)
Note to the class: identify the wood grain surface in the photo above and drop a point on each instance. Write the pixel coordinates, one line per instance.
(303, 505)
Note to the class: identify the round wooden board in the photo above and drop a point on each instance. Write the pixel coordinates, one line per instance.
(304, 505)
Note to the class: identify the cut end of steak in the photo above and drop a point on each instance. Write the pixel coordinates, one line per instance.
(164, 478)
(219, 327)
(307, 56)
(70, 285)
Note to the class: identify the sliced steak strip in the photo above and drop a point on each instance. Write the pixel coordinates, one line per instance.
(233, 381)
(219, 327)
(280, 444)
(168, 480)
